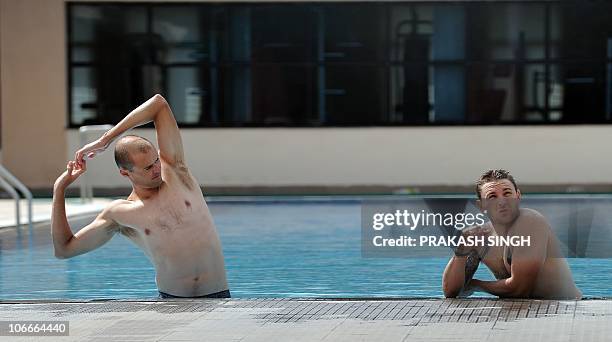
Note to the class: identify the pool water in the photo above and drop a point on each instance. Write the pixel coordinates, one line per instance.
(272, 248)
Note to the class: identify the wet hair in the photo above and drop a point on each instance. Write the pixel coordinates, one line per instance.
(127, 145)
(492, 176)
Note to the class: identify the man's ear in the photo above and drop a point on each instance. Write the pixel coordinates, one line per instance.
(123, 172)
(518, 194)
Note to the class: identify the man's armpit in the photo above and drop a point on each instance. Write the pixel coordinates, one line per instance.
(127, 231)
(181, 171)
(185, 176)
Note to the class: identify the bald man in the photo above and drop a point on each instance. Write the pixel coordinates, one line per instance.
(165, 215)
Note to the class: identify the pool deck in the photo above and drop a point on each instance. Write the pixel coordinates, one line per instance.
(41, 210)
(321, 320)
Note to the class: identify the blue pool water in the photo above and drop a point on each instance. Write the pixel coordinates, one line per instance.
(296, 248)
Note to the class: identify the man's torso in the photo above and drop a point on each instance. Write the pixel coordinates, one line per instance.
(176, 231)
(554, 279)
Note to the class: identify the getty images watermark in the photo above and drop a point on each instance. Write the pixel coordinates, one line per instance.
(428, 228)
(460, 221)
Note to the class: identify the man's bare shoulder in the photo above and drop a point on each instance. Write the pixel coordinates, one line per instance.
(533, 218)
(120, 206)
(532, 223)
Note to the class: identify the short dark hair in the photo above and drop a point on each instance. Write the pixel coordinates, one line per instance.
(491, 176)
(127, 145)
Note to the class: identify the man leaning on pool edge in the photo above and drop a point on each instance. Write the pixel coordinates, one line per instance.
(535, 271)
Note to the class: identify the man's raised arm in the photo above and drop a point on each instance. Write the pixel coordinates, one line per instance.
(155, 109)
(94, 235)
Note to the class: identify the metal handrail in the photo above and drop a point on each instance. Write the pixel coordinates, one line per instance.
(9, 183)
(86, 189)
(15, 196)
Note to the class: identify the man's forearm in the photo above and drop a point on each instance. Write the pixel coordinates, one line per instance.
(143, 114)
(453, 278)
(501, 288)
(60, 229)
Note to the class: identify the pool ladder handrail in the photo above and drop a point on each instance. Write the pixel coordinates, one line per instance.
(86, 190)
(11, 184)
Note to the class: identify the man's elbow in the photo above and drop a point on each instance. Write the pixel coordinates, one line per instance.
(62, 252)
(450, 291)
(520, 289)
(61, 255)
(160, 99)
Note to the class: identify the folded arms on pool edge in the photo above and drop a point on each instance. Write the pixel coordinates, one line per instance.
(457, 283)
(457, 278)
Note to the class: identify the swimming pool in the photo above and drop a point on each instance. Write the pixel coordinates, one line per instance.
(275, 247)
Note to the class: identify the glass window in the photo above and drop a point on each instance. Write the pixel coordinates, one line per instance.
(353, 33)
(181, 34)
(361, 63)
(283, 95)
(505, 31)
(584, 92)
(355, 95)
(189, 93)
(282, 33)
(411, 28)
(84, 96)
(507, 92)
(411, 94)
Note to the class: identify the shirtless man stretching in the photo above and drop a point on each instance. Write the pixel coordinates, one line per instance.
(165, 215)
(535, 271)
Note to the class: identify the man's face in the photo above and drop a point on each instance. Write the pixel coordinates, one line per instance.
(501, 201)
(147, 169)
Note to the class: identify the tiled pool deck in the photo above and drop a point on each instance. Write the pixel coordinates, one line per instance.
(321, 320)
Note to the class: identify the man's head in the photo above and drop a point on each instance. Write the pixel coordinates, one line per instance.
(138, 160)
(499, 195)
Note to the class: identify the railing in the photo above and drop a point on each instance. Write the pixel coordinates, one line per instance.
(86, 187)
(9, 183)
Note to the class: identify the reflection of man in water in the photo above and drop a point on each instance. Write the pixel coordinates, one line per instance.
(535, 271)
(165, 215)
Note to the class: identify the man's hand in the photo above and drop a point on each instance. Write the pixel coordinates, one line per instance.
(473, 231)
(468, 289)
(90, 150)
(73, 171)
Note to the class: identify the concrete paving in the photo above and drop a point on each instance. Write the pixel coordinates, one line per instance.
(320, 320)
